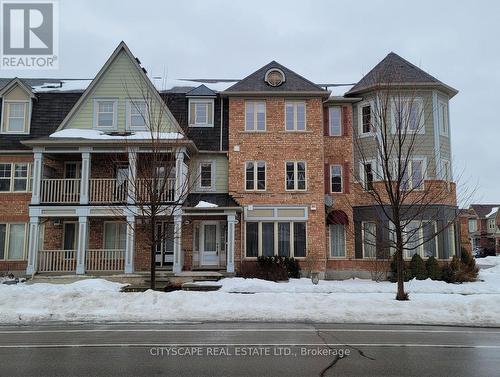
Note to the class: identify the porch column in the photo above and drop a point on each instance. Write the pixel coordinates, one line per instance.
(37, 177)
(130, 245)
(177, 267)
(231, 221)
(34, 234)
(84, 181)
(180, 178)
(82, 244)
(132, 178)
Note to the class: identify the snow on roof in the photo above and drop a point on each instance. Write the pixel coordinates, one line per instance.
(339, 91)
(99, 135)
(217, 87)
(203, 204)
(493, 211)
(62, 86)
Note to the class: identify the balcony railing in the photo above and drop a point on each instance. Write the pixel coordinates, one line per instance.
(56, 260)
(146, 192)
(60, 191)
(96, 260)
(105, 260)
(107, 190)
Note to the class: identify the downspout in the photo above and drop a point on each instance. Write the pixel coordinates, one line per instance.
(221, 117)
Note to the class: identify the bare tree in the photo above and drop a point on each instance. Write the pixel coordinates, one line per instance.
(408, 191)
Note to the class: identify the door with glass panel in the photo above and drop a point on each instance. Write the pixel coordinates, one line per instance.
(210, 243)
(165, 248)
(70, 238)
(72, 172)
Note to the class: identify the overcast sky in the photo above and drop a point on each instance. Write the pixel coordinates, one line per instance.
(326, 41)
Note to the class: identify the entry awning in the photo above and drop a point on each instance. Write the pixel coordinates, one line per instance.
(337, 217)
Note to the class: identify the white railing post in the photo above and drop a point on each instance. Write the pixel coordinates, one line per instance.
(231, 221)
(177, 267)
(37, 177)
(84, 182)
(130, 245)
(82, 244)
(34, 233)
(132, 175)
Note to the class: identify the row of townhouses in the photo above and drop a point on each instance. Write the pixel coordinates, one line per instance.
(481, 226)
(272, 157)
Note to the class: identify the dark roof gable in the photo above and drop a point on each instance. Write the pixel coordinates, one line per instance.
(293, 82)
(393, 69)
(201, 91)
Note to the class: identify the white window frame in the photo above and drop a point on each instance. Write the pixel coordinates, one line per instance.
(360, 119)
(409, 169)
(362, 172)
(446, 170)
(12, 177)
(115, 113)
(330, 117)
(4, 121)
(7, 240)
(132, 104)
(472, 221)
(331, 256)
(296, 175)
(255, 112)
(363, 239)
(276, 237)
(420, 238)
(295, 112)
(212, 175)
(444, 128)
(255, 184)
(341, 179)
(199, 101)
(421, 111)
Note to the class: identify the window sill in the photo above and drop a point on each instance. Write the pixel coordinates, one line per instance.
(201, 126)
(367, 134)
(296, 132)
(253, 132)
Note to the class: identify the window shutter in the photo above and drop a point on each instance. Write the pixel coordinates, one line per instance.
(327, 179)
(326, 123)
(345, 121)
(346, 177)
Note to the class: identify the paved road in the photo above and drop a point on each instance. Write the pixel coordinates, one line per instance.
(247, 349)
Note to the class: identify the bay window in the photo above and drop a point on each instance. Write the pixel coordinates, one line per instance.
(272, 238)
(369, 239)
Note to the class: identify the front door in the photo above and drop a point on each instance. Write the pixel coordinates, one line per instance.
(165, 250)
(209, 243)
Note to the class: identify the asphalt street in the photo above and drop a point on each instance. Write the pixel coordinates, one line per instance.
(247, 349)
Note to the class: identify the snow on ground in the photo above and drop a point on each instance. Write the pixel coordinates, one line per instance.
(352, 301)
(99, 135)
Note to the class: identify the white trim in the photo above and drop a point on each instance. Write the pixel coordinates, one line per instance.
(212, 175)
(330, 249)
(128, 114)
(330, 110)
(330, 184)
(360, 106)
(421, 113)
(296, 176)
(115, 113)
(12, 178)
(255, 175)
(295, 103)
(208, 102)
(27, 122)
(445, 132)
(255, 112)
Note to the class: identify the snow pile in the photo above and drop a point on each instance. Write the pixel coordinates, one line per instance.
(99, 135)
(203, 204)
(62, 86)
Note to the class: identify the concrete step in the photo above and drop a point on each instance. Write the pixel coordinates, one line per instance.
(200, 287)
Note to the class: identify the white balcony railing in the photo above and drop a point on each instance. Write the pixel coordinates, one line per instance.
(60, 191)
(56, 260)
(105, 260)
(145, 190)
(107, 190)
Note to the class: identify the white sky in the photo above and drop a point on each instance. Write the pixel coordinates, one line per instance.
(326, 41)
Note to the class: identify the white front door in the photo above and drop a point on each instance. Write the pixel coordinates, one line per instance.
(209, 243)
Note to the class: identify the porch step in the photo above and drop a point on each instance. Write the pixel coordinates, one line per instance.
(200, 287)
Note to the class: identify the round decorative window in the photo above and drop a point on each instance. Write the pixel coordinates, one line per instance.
(275, 77)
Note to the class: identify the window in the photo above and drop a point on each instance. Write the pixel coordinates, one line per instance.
(15, 113)
(413, 174)
(207, 175)
(337, 241)
(255, 175)
(417, 174)
(472, 225)
(270, 238)
(13, 241)
(420, 238)
(105, 114)
(451, 239)
(295, 175)
(365, 119)
(137, 114)
(295, 116)
(491, 224)
(369, 236)
(255, 116)
(443, 118)
(335, 120)
(408, 115)
(367, 171)
(429, 238)
(336, 178)
(413, 239)
(14, 177)
(201, 113)
(447, 170)
(115, 235)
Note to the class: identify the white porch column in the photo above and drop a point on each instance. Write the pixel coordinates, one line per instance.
(84, 181)
(34, 235)
(82, 244)
(180, 177)
(37, 177)
(177, 267)
(130, 245)
(231, 222)
(132, 175)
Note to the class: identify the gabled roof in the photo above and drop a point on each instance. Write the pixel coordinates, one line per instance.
(294, 83)
(121, 47)
(394, 70)
(201, 91)
(482, 210)
(16, 81)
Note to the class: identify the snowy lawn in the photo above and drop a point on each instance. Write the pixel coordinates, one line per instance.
(351, 301)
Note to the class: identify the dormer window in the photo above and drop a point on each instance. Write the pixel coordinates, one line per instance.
(15, 118)
(105, 113)
(201, 112)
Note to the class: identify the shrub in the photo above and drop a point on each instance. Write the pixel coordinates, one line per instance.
(275, 268)
(461, 269)
(417, 268)
(434, 271)
(450, 272)
(394, 270)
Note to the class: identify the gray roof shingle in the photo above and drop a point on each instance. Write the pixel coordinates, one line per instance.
(201, 91)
